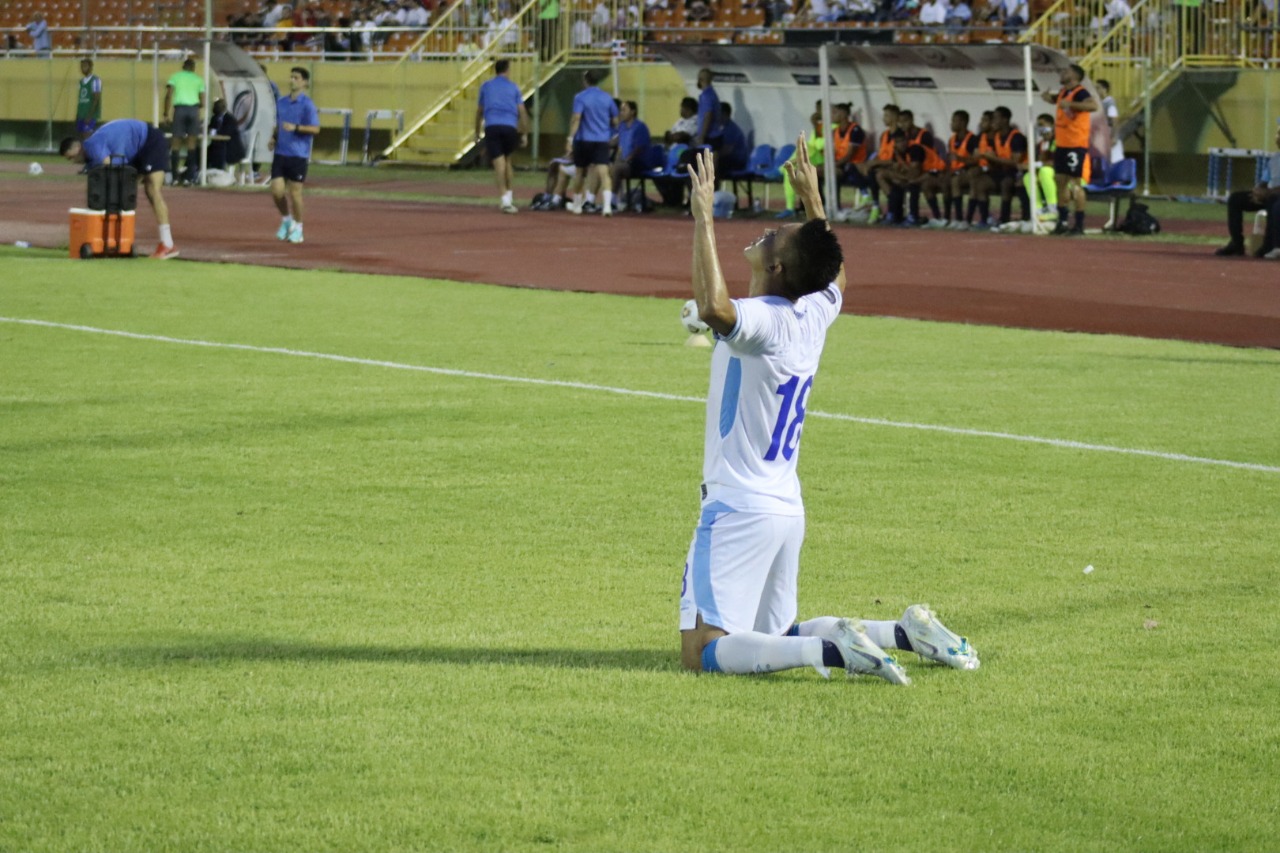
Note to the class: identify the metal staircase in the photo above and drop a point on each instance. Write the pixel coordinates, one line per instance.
(444, 133)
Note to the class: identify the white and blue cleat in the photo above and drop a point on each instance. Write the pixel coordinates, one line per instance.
(931, 639)
(863, 657)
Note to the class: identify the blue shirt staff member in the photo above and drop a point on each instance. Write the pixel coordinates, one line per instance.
(297, 123)
(633, 143)
(130, 142)
(505, 123)
(710, 130)
(590, 131)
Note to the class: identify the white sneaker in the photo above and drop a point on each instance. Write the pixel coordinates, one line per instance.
(1010, 227)
(1273, 255)
(607, 210)
(931, 639)
(282, 233)
(574, 208)
(861, 655)
(960, 226)
(936, 223)
(508, 208)
(295, 233)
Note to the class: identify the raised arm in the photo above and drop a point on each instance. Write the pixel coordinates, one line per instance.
(804, 179)
(709, 291)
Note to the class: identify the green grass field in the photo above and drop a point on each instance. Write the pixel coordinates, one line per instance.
(264, 600)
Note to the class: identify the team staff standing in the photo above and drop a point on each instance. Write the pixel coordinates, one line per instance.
(590, 132)
(184, 95)
(502, 117)
(297, 123)
(133, 143)
(1071, 140)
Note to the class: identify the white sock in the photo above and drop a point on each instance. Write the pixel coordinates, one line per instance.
(506, 197)
(822, 626)
(166, 237)
(750, 651)
(608, 199)
(882, 633)
(591, 198)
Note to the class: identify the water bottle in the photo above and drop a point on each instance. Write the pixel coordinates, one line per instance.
(757, 206)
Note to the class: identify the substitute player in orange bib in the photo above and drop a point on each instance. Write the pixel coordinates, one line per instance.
(1071, 138)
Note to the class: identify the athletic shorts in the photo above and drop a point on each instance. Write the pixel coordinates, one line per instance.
(590, 154)
(741, 571)
(186, 122)
(86, 126)
(292, 169)
(154, 154)
(500, 140)
(1069, 161)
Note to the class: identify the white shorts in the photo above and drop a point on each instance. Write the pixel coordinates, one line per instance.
(741, 571)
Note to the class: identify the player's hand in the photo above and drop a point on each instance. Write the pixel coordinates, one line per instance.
(702, 183)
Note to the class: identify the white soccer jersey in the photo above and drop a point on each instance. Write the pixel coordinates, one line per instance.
(761, 376)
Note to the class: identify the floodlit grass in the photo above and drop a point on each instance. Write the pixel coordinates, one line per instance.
(263, 601)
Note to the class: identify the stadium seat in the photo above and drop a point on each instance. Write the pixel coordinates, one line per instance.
(1119, 180)
(652, 165)
(761, 158)
(773, 174)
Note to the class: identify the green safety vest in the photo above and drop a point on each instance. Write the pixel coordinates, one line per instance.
(84, 105)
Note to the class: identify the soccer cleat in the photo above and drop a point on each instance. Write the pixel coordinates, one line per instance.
(574, 208)
(931, 639)
(873, 216)
(508, 208)
(606, 211)
(282, 233)
(862, 656)
(936, 223)
(590, 207)
(787, 213)
(295, 233)
(164, 253)
(1230, 250)
(1060, 229)
(1273, 255)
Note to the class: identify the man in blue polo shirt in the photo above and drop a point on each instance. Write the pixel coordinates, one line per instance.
(297, 123)
(590, 129)
(733, 153)
(130, 142)
(710, 131)
(633, 143)
(505, 122)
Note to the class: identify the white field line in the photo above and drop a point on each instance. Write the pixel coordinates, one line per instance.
(584, 386)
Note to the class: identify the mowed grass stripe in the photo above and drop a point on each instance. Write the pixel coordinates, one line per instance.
(585, 386)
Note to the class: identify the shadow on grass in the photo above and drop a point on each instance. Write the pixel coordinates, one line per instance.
(265, 651)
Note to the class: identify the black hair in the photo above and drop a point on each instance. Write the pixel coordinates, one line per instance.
(501, 66)
(1045, 117)
(1005, 112)
(962, 114)
(691, 103)
(811, 259)
(1103, 82)
(301, 72)
(66, 144)
(893, 108)
(907, 113)
(1078, 70)
(635, 108)
(188, 64)
(593, 76)
(726, 109)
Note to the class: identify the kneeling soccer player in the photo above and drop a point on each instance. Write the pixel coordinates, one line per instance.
(738, 602)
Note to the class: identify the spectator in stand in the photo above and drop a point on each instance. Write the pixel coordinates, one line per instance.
(959, 17)
(734, 152)
(960, 150)
(88, 100)
(686, 127)
(861, 11)
(590, 129)
(502, 116)
(38, 29)
(276, 14)
(698, 10)
(134, 143)
(1016, 15)
(1262, 197)
(1071, 137)
(417, 16)
(934, 13)
(904, 10)
(1008, 165)
(990, 13)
